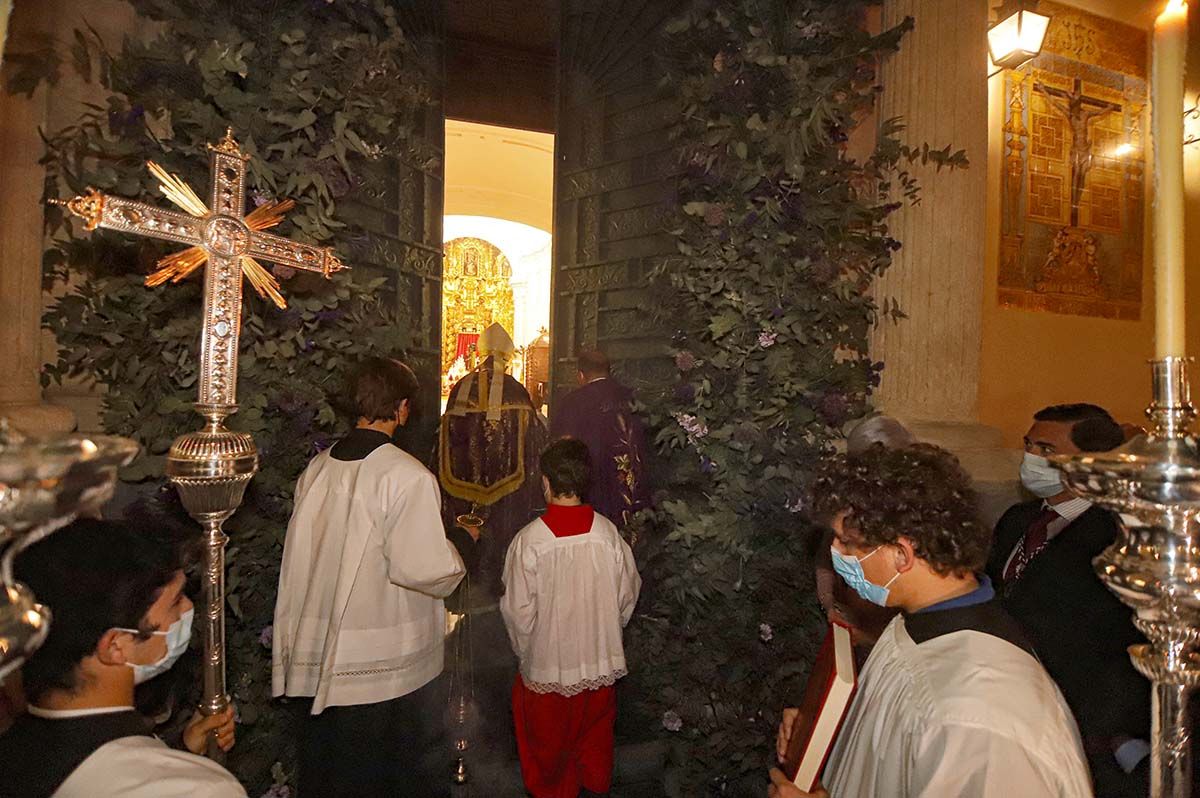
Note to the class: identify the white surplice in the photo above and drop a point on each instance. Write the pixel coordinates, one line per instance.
(359, 617)
(566, 600)
(141, 766)
(964, 714)
(144, 767)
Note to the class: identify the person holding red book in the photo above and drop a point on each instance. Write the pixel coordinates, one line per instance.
(570, 586)
(952, 700)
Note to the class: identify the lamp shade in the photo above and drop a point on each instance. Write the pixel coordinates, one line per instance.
(1017, 38)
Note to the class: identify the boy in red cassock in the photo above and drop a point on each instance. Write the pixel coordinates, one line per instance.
(570, 587)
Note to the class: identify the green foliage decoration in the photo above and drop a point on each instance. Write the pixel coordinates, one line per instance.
(325, 98)
(783, 231)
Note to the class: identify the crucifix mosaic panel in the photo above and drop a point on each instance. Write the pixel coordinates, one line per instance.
(1072, 230)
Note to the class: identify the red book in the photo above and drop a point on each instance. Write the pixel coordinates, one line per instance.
(827, 697)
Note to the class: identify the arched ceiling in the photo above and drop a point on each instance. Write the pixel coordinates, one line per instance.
(499, 172)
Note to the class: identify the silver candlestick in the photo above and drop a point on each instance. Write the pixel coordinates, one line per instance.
(1153, 481)
(44, 485)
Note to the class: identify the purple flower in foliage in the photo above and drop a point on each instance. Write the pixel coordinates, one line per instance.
(707, 466)
(283, 272)
(671, 721)
(876, 375)
(694, 427)
(685, 393)
(834, 408)
(266, 636)
(278, 791)
(128, 123)
(685, 361)
(330, 315)
(767, 338)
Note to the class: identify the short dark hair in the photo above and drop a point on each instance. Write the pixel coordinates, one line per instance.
(380, 386)
(1093, 429)
(594, 363)
(568, 466)
(919, 492)
(93, 575)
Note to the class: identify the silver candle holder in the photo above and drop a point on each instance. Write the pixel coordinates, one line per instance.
(1153, 482)
(44, 485)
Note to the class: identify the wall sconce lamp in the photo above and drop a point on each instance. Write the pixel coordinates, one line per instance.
(1018, 36)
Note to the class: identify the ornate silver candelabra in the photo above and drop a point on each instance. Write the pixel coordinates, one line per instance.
(1153, 481)
(44, 485)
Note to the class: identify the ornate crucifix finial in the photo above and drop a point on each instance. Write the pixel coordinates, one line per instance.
(222, 236)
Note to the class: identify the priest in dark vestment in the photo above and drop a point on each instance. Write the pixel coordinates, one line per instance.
(489, 442)
(600, 413)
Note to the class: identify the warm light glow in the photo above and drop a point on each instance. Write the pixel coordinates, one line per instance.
(1175, 8)
(1017, 39)
(1123, 150)
(528, 251)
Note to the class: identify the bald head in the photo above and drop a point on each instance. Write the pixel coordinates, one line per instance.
(878, 429)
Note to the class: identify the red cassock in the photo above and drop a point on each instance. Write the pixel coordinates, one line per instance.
(565, 742)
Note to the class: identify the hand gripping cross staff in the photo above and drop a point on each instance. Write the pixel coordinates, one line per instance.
(211, 467)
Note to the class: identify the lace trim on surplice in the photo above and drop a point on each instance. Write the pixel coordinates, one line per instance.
(571, 690)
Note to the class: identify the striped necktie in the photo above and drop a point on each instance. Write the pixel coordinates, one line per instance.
(1034, 541)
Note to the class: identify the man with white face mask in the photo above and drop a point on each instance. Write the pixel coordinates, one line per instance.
(1041, 563)
(952, 701)
(120, 619)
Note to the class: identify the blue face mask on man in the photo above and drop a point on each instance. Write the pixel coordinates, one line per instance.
(850, 569)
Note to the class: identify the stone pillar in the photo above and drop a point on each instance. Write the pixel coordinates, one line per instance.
(937, 85)
(21, 246)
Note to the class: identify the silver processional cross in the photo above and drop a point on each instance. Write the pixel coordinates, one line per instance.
(211, 467)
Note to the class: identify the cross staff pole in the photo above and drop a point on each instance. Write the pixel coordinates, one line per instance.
(212, 466)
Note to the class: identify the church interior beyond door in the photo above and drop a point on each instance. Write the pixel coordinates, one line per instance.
(496, 269)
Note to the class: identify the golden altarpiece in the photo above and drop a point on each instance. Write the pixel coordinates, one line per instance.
(476, 291)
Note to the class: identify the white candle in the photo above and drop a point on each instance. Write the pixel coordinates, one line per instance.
(1170, 54)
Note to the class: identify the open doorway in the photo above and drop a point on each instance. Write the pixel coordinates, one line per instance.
(497, 243)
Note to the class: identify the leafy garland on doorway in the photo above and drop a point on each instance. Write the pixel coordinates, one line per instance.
(782, 234)
(324, 97)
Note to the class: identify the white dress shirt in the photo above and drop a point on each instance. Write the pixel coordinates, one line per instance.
(1067, 511)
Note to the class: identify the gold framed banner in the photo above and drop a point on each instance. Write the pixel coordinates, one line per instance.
(1072, 228)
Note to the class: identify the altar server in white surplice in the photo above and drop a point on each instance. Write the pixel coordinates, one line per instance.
(359, 619)
(570, 586)
(120, 618)
(952, 700)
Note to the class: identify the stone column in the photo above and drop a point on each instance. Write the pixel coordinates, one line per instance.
(937, 85)
(21, 245)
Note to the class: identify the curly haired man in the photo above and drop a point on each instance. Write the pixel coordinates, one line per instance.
(952, 700)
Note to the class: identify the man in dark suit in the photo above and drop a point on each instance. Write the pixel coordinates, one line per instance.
(600, 413)
(1041, 564)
